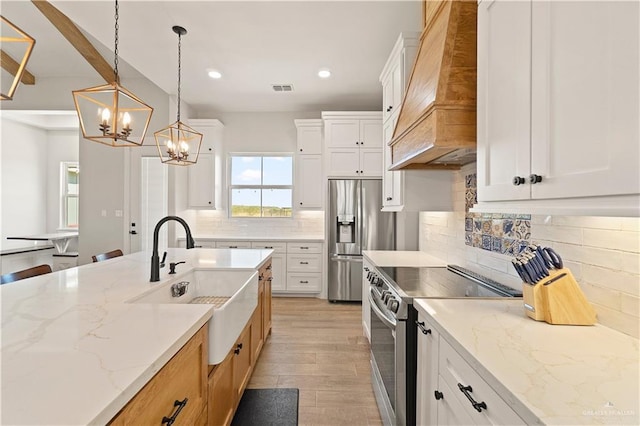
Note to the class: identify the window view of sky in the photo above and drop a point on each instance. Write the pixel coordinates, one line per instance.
(261, 171)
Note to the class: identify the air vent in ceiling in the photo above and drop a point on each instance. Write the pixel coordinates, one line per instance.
(282, 87)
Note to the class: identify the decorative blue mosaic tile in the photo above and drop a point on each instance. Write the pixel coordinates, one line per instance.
(507, 228)
(468, 224)
(476, 240)
(522, 229)
(468, 238)
(496, 244)
(470, 181)
(486, 242)
(522, 244)
(486, 227)
(497, 229)
(508, 246)
(477, 225)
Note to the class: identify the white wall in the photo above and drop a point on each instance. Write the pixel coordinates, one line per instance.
(62, 146)
(24, 181)
(603, 253)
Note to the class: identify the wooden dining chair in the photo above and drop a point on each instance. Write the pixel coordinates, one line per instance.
(107, 255)
(25, 273)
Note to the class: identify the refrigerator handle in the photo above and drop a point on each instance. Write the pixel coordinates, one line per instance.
(360, 222)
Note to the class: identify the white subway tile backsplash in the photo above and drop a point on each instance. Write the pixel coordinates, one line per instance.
(603, 253)
(615, 240)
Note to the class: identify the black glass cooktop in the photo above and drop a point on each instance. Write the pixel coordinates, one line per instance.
(450, 282)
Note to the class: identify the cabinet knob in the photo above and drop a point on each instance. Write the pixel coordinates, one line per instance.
(209, 202)
(301, 203)
(357, 143)
(533, 179)
(389, 108)
(361, 172)
(438, 395)
(361, 143)
(389, 198)
(357, 171)
(300, 149)
(518, 180)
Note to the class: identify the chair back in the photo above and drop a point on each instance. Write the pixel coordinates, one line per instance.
(25, 273)
(107, 255)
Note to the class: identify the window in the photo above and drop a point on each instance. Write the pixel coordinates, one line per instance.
(70, 180)
(261, 185)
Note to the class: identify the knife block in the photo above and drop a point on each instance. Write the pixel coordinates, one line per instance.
(560, 302)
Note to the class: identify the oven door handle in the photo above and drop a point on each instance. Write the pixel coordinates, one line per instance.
(379, 313)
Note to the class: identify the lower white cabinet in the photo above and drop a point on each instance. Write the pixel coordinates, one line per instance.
(278, 262)
(233, 244)
(304, 282)
(366, 311)
(449, 390)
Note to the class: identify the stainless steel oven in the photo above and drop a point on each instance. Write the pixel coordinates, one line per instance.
(394, 330)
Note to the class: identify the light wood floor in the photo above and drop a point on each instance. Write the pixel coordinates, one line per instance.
(318, 347)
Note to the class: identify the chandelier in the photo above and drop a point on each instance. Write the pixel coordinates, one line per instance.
(20, 44)
(110, 114)
(178, 144)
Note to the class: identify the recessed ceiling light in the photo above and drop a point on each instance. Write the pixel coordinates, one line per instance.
(215, 74)
(324, 73)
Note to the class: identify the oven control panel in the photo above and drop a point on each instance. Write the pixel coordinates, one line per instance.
(384, 293)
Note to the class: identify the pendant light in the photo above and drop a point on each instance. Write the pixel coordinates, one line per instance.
(178, 144)
(110, 114)
(19, 44)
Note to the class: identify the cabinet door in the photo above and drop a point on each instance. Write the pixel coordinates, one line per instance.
(585, 91)
(450, 410)
(387, 95)
(242, 362)
(371, 134)
(504, 100)
(392, 180)
(427, 373)
(309, 140)
(304, 282)
(342, 133)
(371, 162)
(201, 182)
(398, 86)
(278, 272)
(308, 186)
(257, 325)
(222, 398)
(343, 162)
(266, 309)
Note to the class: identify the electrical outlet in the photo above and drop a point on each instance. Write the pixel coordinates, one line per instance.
(104, 213)
(118, 213)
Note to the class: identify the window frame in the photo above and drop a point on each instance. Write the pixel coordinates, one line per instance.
(231, 187)
(65, 195)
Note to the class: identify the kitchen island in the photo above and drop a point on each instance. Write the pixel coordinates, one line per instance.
(75, 352)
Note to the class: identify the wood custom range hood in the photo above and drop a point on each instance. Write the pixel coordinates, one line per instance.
(436, 125)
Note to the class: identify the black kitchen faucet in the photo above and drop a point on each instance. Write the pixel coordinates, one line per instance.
(155, 258)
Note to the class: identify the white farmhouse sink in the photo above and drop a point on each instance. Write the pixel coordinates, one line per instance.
(241, 287)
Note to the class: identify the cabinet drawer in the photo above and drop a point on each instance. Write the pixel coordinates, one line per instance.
(233, 244)
(304, 283)
(304, 263)
(278, 247)
(304, 248)
(184, 376)
(455, 370)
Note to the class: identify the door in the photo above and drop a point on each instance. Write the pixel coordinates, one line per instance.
(343, 162)
(370, 134)
(342, 133)
(148, 199)
(378, 228)
(371, 162)
(585, 112)
(504, 99)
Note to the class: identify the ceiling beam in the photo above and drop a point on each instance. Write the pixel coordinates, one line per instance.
(12, 67)
(78, 40)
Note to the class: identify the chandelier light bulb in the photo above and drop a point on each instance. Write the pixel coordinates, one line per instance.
(126, 120)
(106, 115)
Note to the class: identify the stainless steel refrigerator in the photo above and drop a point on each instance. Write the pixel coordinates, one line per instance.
(355, 224)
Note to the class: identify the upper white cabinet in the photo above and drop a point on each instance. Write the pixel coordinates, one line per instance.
(308, 185)
(558, 101)
(410, 190)
(204, 177)
(353, 143)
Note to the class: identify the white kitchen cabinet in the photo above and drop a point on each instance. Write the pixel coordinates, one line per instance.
(233, 244)
(204, 177)
(558, 97)
(308, 186)
(353, 144)
(440, 375)
(304, 282)
(396, 72)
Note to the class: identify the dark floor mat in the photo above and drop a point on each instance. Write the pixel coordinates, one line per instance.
(267, 407)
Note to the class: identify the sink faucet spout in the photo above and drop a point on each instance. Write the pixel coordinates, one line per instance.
(155, 258)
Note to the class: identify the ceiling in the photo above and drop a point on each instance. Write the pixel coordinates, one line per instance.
(254, 44)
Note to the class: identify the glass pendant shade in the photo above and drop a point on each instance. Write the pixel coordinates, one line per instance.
(178, 144)
(16, 47)
(112, 115)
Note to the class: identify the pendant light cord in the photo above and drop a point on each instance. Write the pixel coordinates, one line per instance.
(179, 70)
(115, 51)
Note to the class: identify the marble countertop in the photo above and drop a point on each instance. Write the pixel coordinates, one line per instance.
(549, 374)
(75, 352)
(402, 258)
(314, 238)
